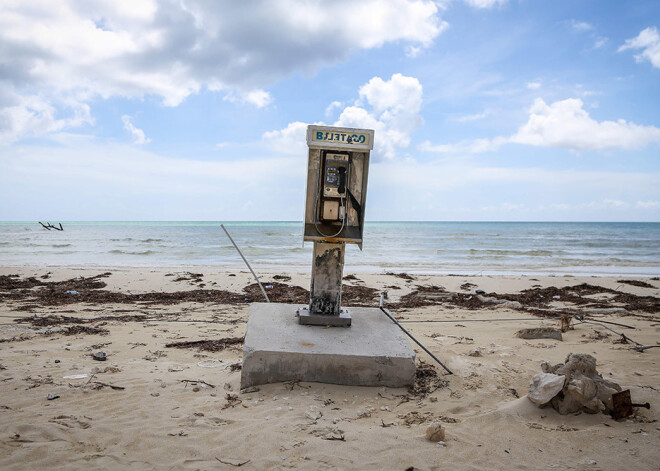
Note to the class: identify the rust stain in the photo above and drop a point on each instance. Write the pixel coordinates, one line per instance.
(307, 344)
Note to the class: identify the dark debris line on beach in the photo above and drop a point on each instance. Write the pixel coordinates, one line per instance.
(532, 300)
(90, 290)
(216, 345)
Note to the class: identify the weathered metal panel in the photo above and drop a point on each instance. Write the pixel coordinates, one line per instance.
(327, 271)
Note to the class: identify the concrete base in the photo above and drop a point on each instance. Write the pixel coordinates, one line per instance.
(307, 318)
(372, 352)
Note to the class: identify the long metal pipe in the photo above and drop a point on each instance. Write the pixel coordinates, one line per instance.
(382, 297)
(246, 262)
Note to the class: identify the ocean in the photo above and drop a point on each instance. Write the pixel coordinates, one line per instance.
(418, 247)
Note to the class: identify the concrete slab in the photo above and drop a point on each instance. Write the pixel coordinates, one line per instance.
(372, 352)
(307, 318)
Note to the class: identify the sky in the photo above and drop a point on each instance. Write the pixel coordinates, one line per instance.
(483, 110)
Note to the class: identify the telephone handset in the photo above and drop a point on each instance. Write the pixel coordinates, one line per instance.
(335, 182)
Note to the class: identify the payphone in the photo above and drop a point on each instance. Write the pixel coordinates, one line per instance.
(338, 164)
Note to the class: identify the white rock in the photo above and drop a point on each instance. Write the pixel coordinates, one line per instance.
(313, 415)
(544, 387)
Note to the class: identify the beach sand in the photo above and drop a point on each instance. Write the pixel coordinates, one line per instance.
(181, 408)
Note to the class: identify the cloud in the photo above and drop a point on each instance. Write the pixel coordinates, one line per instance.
(258, 98)
(580, 26)
(99, 180)
(476, 146)
(172, 49)
(648, 40)
(533, 85)
(648, 204)
(332, 107)
(390, 107)
(566, 124)
(563, 124)
(473, 117)
(104, 180)
(600, 42)
(137, 133)
(485, 3)
(290, 140)
(31, 115)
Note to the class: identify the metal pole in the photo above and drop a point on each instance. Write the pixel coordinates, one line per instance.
(382, 297)
(246, 262)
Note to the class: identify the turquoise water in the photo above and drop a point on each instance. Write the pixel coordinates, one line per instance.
(423, 247)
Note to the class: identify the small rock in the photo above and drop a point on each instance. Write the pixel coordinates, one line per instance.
(155, 394)
(196, 389)
(480, 291)
(435, 432)
(57, 361)
(540, 333)
(99, 356)
(51, 397)
(475, 352)
(433, 399)
(544, 387)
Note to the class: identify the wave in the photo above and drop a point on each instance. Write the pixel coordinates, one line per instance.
(533, 253)
(152, 240)
(60, 245)
(128, 252)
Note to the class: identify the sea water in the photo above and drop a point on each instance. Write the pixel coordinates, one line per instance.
(420, 247)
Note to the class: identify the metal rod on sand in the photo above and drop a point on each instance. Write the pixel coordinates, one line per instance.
(382, 298)
(246, 262)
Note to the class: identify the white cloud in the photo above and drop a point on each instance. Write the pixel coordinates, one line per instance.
(335, 105)
(137, 133)
(290, 140)
(533, 85)
(97, 180)
(648, 204)
(258, 98)
(649, 41)
(614, 204)
(87, 179)
(172, 49)
(566, 124)
(600, 42)
(485, 3)
(580, 26)
(563, 124)
(31, 115)
(390, 107)
(473, 117)
(476, 146)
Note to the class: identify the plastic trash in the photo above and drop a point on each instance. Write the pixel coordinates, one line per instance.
(50, 397)
(76, 376)
(71, 291)
(211, 363)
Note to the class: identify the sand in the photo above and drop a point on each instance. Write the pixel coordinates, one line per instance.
(181, 408)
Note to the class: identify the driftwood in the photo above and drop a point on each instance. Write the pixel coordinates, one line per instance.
(49, 226)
